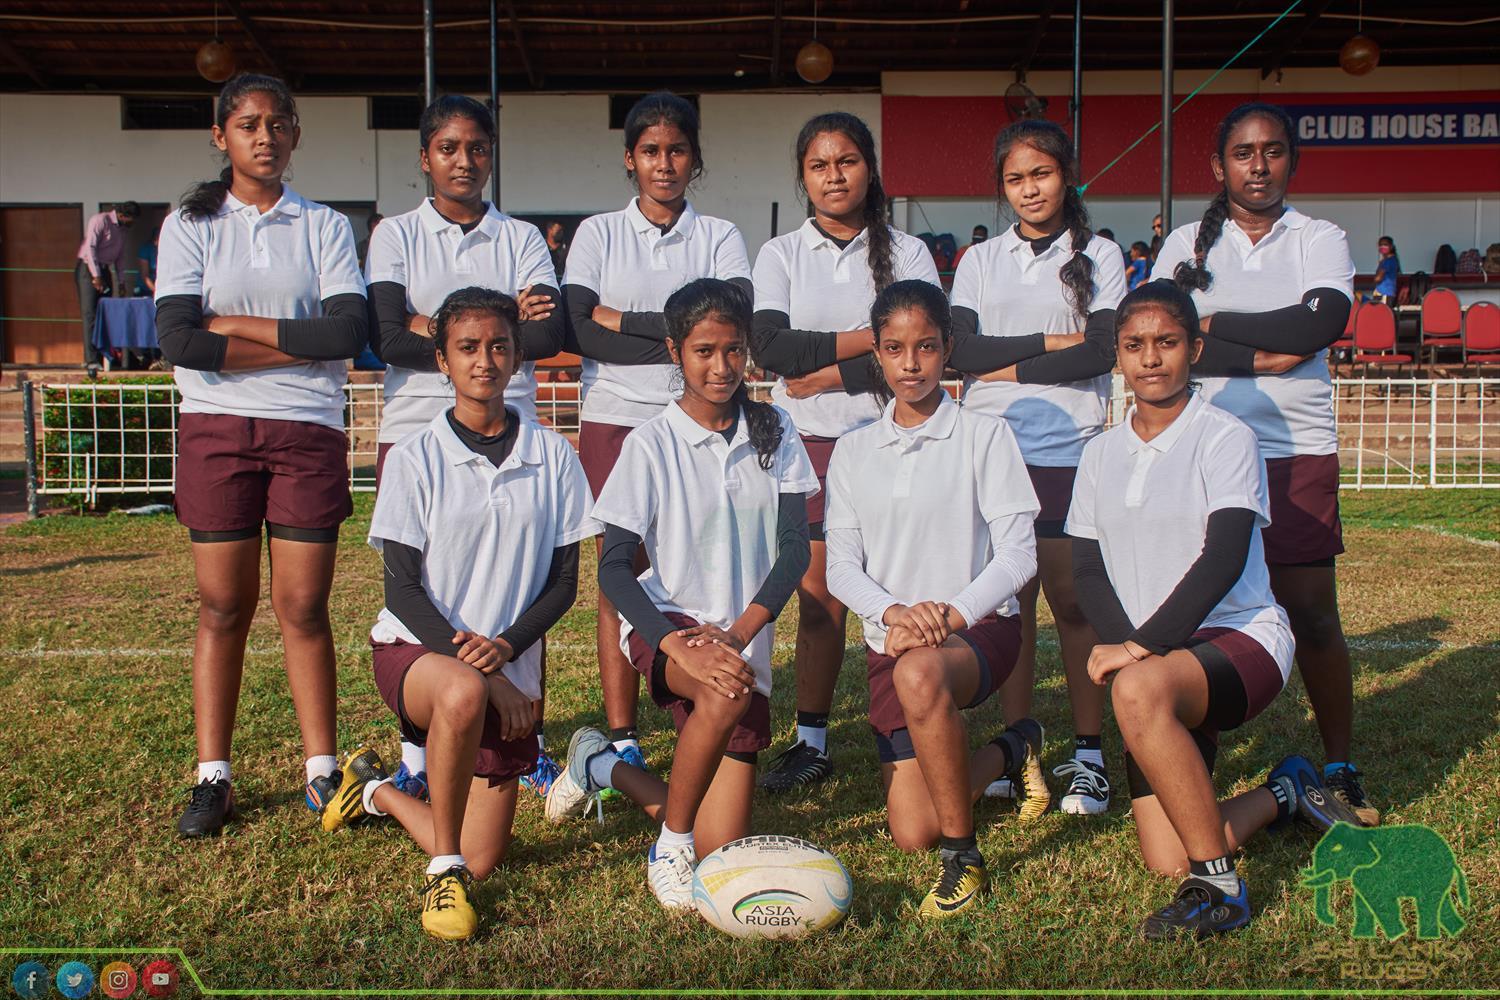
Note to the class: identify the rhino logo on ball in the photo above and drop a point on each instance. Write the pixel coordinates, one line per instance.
(1385, 865)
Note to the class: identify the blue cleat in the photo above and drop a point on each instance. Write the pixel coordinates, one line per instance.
(414, 785)
(1318, 807)
(543, 775)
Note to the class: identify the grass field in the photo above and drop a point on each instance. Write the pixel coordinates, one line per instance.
(96, 749)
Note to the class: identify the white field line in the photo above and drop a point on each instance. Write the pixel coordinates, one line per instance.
(1433, 529)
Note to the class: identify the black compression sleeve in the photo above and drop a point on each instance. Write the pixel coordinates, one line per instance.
(1095, 356)
(183, 340)
(618, 582)
(543, 338)
(786, 352)
(407, 599)
(1305, 328)
(1226, 545)
(1096, 595)
(593, 341)
(792, 554)
(861, 374)
(557, 596)
(1221, 359)
(653, 325)
(390, 336)
(339, 334)
(976, 354)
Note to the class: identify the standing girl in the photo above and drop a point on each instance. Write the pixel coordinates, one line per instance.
(1037, 284)
(259, 302)
(714, 489)
(478, 524)
(929, 539)
(1166, 519)
(452, 240)
(1267, 278)
(621, 268)
(813, 290)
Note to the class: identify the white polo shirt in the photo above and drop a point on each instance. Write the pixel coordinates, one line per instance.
(624, 258)
(805, 275)
(706, 512)
(486, 534)
(1147, 503)
(432, 257)
(280, 265)
(918, 505)
(1017, 293)
(1291, 414)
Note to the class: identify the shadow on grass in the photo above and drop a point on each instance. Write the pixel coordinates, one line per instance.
(65, 564)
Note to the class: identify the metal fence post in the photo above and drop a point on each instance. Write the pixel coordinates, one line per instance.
(28, 414)
(1432, 445)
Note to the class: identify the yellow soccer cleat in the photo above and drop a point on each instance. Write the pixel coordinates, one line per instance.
(957, 887)
(347, 805)
(1036, 797)
(447, 913)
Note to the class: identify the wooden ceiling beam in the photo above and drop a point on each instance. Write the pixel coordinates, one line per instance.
(20, 62)
(262, 44)
(532, 76)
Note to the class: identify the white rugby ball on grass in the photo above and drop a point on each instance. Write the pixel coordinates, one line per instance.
(772, 887)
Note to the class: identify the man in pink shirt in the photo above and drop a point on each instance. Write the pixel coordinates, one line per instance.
(98, 268)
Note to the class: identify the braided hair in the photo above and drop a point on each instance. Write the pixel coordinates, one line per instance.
(1049, 139)
(476, 301)
(1195, 276)
(913, 293)
(207, 197)
(877, 225)
(713, 297)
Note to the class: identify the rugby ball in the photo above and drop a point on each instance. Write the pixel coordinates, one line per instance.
(771, 887)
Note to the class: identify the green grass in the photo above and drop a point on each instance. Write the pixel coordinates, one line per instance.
(96, 740)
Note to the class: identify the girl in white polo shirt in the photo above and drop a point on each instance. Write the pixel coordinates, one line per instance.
(1267, 278)
(714, 489)
(1036, 286)
(929, 539)
(259, 303)
(813, 290)
(1166, 518)
(621, 268)
(478, 524)
(453, 240)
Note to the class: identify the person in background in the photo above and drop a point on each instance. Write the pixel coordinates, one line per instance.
(145, 263)
(980, 234)
(556, 245)
(1109, 234)
(97, 270)
(1156, 236)
(1387, 273)
(364, 245)
(1137, 265)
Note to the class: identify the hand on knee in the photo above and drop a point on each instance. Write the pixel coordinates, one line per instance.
(921, 686)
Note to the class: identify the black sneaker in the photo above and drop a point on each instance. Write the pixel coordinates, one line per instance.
(1088, 789)
(797, 767)
(1317, 807)
(1200, 909)
(211, 802)
(1344, 783)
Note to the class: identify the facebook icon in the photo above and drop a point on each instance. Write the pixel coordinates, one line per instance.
(30, 980)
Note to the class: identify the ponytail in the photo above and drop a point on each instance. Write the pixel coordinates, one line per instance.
(205, 199)
(1077, 274)
(763, 426)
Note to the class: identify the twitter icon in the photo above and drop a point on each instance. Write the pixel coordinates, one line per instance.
(75, 980)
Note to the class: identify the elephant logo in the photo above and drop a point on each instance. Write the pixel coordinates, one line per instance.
(1385, 865)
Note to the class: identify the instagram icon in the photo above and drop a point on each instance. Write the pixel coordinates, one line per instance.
(117, 980)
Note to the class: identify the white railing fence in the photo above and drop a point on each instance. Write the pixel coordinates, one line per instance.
(114, 437)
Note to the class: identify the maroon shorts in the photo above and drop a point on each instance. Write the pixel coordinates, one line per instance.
(235, 472)
(1054, 490)
(1305, 525)
(1243, 679)
(996, 643)
(752, 734)
(599, 449)
(819, 452)
(381, 450)
(497, 761)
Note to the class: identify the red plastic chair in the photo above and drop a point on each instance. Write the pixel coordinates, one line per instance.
(1442, 321)
(1344, 345)
(1482, 334)
(1375, 337)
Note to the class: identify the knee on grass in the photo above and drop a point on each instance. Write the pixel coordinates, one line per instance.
(910, 835)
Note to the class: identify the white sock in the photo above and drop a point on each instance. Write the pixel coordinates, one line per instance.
(443, 862)
(1229, 882)
(814, 736)
(414, 757)
(541, 741)
(1095, 757)
(321, 766)
(213, 770)
(620, 745)
(601, 766)
(670, 840)
(369, 795)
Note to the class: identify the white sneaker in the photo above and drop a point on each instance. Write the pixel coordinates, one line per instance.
(670, 876)
(1000, 788)
(571, 792)
(1088, 791)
